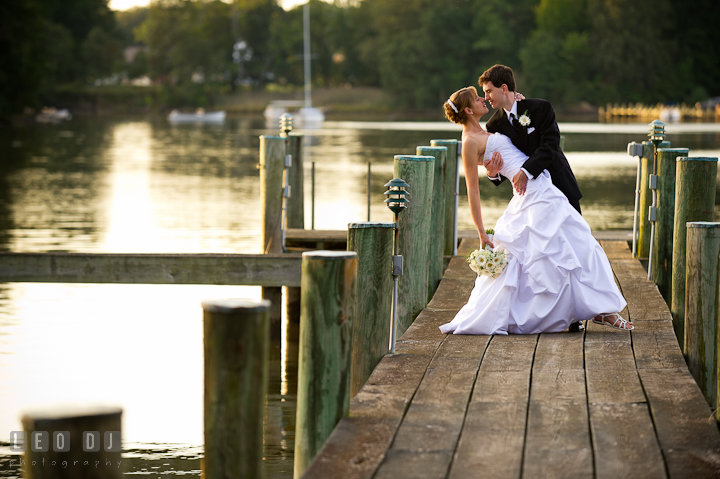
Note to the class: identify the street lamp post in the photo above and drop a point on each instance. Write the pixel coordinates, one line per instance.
(397, 201)
(657, 135)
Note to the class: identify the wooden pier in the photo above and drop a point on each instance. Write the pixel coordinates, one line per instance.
(601, 403)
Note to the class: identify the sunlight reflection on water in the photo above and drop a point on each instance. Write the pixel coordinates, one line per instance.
(144, 186)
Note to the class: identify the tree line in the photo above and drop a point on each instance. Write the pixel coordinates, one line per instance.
(418, 51)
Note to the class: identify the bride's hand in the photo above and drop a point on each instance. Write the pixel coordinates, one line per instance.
(485, 240)
(519, 96)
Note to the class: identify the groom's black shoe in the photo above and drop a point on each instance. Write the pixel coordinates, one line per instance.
(576, 327)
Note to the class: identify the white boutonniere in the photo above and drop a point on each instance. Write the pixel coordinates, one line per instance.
(524, 119)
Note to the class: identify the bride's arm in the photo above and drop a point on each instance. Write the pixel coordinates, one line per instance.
(471, 152)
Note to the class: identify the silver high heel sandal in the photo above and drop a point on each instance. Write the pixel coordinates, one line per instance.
(622, 326)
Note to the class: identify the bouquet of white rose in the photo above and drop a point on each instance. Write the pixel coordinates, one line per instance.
(488, 262)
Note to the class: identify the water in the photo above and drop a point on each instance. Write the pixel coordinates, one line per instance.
(142, 185)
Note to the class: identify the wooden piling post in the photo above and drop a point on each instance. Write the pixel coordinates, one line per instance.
(325, 356)
(695, 184)
(74, 442)
(414, 236)
(295, 216)
(436, 247)
(451, 165)
(373, 243)
(646, 169)
(663, 241)
(701, 305)
(236, 343)
(272, 161)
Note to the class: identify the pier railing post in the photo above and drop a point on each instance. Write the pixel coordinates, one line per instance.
(373, 243)
(86, 440)
(661, 270)
(646, 168)
(701, 305)
(326, 343)
(694, 201)
(450, 171)
(436, 247)
(272, 160)
(295, 215)
(414, 236)
(236, 345)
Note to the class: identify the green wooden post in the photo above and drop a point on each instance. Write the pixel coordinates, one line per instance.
(414, 237)
(373, 243)
(436, 247)
(325, 357)
(451, 165)
(701, 305)
(663, 247)
(236, 344)
(695, 184)
(646, 169)
(63, 434)
(272, 160)
(295, 216)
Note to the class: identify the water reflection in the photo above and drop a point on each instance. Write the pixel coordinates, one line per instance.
(97, 185)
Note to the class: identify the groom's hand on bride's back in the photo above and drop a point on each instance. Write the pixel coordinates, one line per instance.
(493, 165)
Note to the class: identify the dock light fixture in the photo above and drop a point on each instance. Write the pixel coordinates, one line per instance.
(657, 135)
(397, 201)
(286, 126)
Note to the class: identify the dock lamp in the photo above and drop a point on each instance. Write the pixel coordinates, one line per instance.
(286, 126)
(397, 201)
(657, 135)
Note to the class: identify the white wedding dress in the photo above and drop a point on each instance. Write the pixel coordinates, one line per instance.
(557, 273)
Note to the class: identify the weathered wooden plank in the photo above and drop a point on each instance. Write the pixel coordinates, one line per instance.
(509, 355)
(458, 268)
(557, 443)
(558, 351)
(692, 464)
(611, 375)
(354, 450)
(415, 464)
(230, 269)
(655, 346)
(501, 386)
(451, 295)
(681, 415)
(491, 444)
(462, 346)
(428, 427)
(624, 442)
(426, 326)
(562, 384)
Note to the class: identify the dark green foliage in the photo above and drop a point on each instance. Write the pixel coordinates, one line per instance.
(418, 51)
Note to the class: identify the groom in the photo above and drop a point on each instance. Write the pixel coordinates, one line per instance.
(530, 124)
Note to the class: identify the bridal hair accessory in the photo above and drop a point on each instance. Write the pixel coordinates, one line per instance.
(452, 105)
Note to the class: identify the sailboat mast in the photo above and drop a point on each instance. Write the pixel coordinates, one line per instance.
(306, 53)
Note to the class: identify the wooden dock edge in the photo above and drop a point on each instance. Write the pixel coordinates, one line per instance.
(685, 428)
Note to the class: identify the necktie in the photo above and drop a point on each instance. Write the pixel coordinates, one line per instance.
(515, 123)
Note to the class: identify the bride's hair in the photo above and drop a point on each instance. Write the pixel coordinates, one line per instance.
(461, 99)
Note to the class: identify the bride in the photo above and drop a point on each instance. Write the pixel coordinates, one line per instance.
(557, 273)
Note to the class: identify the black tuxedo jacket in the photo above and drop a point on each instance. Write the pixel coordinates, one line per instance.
(542, 145)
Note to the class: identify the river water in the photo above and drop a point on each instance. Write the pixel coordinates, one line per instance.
(140, 185)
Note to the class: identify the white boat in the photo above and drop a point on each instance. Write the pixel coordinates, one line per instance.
(200, 116)
(52, 115)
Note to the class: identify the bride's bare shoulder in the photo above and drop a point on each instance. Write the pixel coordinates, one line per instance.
(475, 141)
